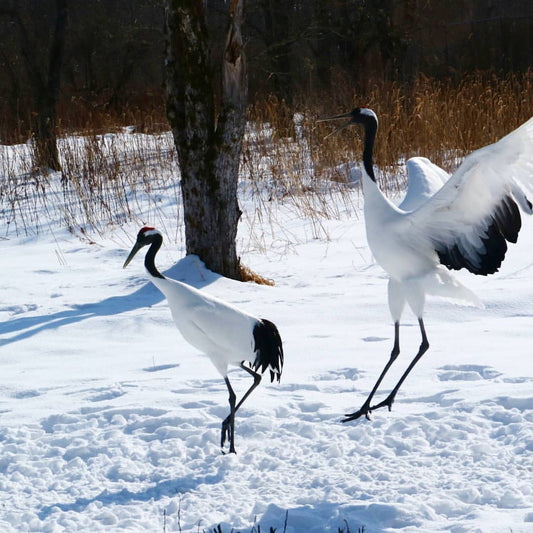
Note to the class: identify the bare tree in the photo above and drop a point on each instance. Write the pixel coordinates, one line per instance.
(44, 80)
(208, 129)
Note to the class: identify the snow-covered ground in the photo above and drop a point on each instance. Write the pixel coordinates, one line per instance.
(109, 421)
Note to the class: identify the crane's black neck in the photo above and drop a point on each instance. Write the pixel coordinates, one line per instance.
(371, 128)
(149, 260)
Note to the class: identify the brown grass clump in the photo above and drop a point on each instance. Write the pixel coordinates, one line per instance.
(247, 274)
(437, 119)
(287, 156)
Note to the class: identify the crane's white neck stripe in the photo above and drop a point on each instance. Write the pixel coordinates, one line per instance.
(368, 112)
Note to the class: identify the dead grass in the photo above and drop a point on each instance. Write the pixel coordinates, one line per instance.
(110, 177)
(247, 274)
(433, 118)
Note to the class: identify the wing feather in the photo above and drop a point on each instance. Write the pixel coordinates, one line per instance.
(470, 219)
(227, 328)
(424, 180)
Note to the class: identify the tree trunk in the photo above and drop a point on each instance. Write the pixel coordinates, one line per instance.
(208, 143)
(46, 127)
(45, 87)
(44, 132)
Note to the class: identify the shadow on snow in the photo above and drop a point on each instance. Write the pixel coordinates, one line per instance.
(311, 518)
(189, 270)
(169, 488)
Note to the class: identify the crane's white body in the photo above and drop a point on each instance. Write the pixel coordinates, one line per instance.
(438, 209)
(217, 329)
(444, 222)
(227, 335)
(414, 271)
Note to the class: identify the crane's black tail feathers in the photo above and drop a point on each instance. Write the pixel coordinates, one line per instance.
(268, 349)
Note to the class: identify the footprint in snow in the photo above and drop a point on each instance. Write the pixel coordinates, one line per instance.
(159, 368)
(103, 395)
(351, 374)
(467, 373)
(21, 395)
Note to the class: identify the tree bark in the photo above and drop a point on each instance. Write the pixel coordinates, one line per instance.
(208, 140)
(44, 86)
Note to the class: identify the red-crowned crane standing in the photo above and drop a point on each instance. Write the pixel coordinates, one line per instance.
(463, 222)
(227, 335)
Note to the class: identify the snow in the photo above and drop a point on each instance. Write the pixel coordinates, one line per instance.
(110, 421)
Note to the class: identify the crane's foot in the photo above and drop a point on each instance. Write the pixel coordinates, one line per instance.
(387, 402)
(227, 434)
(365, 410)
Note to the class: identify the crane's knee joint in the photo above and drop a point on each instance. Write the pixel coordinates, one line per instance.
(395, 353)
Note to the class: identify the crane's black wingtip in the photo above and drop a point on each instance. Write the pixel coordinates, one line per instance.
(502, 226)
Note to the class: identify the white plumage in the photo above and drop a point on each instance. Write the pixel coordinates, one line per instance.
(227, 335)
(444, 223)
(424, 179)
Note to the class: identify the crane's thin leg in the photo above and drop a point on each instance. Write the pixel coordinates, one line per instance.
(388, 401)
(228, 426)
(257, 380)
(365, 408)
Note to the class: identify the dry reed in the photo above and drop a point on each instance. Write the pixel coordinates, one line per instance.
(112, 178)
(438, 119)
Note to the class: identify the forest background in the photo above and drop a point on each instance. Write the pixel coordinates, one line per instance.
(444, 78)
(301, 54)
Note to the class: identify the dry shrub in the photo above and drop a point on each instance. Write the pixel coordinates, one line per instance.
(93, 114)
(106, 180)
(247, 274)
(287, 156)
(279, 163)
(437, 119)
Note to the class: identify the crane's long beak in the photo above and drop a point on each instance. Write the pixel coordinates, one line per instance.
(336, 117)
(134, 250)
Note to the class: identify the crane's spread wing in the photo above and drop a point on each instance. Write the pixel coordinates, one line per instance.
(470, 219)
(424, 180)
